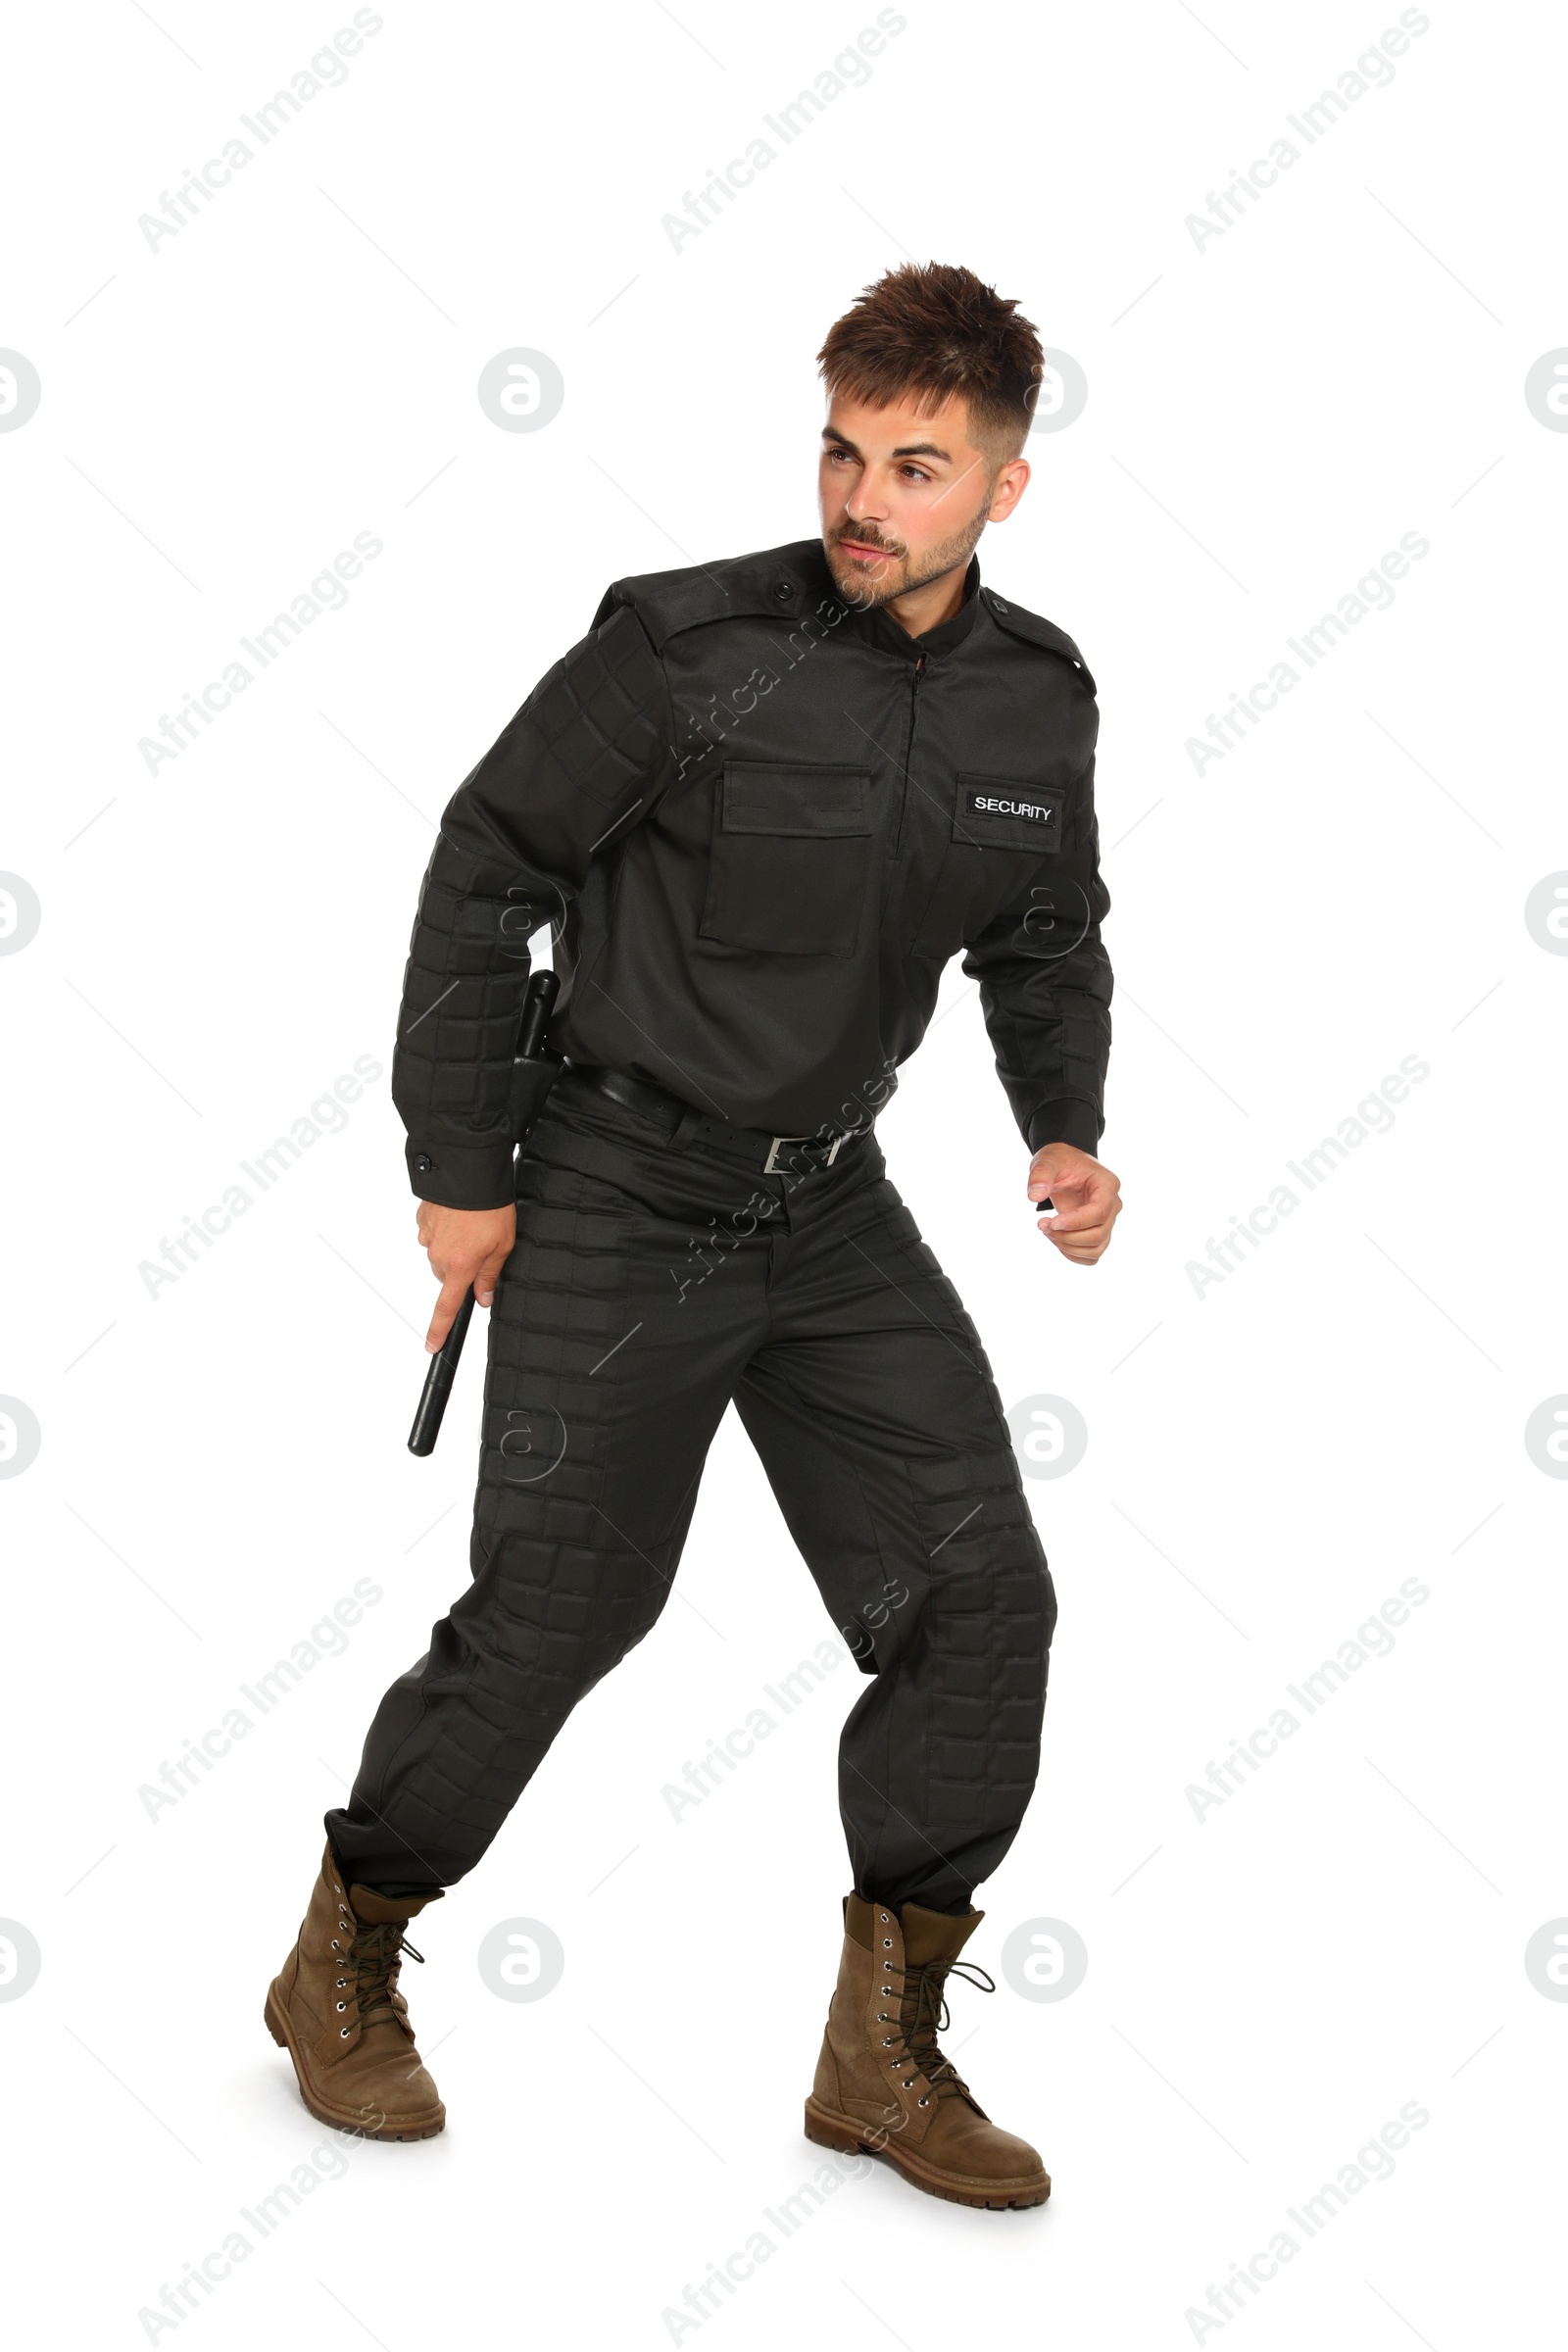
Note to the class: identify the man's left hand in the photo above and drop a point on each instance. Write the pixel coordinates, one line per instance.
(1088, 1198)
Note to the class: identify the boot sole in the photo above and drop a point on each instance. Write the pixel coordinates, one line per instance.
(852, 2138)
(277, 2027)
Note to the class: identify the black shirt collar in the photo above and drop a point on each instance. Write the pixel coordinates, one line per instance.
(878, 628)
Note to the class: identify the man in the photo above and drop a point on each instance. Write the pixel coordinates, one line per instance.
(761, 804)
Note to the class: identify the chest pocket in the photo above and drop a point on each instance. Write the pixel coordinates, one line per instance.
(999, 829)
(791, 858)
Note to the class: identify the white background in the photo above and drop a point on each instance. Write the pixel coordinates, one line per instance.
(1267, 1985)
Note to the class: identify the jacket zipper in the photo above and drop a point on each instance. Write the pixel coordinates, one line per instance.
(909, 751)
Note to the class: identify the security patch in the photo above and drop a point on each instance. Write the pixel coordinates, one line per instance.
(978, 801)
(988, 813)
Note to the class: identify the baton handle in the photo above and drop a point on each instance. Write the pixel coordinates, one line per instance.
(438, 1381)
(543, 988)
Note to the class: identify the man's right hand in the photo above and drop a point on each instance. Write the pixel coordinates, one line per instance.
(465, 1245)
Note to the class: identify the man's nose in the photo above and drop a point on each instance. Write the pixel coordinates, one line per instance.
(867, 502)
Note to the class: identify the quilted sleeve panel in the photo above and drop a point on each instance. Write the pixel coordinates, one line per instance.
(1045, 989)
(586, 757)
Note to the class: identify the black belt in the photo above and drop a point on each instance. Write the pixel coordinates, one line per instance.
(780, 1154)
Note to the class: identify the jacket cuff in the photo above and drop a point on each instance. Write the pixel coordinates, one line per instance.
(1069, 1121)
(462, 1175)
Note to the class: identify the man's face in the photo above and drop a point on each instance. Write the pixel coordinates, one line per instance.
(905, 496)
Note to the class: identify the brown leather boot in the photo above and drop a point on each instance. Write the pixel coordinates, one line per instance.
(335, 2007)
(883, 2084)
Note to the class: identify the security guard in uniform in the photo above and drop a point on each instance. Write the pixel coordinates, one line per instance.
(759, 807)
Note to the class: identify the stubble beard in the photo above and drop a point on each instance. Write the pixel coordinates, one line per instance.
(866, 586)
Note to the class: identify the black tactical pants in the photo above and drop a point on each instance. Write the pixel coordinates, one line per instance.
(657, 1276)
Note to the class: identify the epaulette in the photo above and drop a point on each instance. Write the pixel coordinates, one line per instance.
(772, 585)
(1037, 631)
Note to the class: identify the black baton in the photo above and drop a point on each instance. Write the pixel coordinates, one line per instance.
(536, 1007)
(438, 1381)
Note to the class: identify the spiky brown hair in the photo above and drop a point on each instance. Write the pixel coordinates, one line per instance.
(936, 331)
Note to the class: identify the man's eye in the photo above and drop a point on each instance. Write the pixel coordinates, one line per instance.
(916, 474)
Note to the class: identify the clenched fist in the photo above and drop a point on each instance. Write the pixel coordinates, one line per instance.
(1088, 1198)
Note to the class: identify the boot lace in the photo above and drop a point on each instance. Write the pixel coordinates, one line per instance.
(374, 1957)
(923, 2015)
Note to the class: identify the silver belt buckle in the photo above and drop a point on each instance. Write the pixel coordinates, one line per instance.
(774, 1147)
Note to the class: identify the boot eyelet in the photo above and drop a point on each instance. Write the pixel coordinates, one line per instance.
(342, 2005)
(343, 2033)
(887, 2039)
(884, 1919)
(886, 1943)
(923, 2102)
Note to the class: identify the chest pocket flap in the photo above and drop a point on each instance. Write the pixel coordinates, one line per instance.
(808, 803)
(789, 861)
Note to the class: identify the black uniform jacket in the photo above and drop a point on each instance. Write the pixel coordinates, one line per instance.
(758, 823)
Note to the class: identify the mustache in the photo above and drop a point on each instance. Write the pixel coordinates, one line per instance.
(865, 539)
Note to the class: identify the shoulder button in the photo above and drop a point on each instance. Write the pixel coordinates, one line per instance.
(783, 593)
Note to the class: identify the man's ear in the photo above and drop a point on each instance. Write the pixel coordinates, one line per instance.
(1009, 487)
